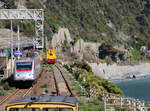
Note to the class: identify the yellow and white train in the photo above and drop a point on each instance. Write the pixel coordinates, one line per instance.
(43, 103)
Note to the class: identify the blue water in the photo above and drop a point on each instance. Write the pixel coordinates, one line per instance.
(137, 88)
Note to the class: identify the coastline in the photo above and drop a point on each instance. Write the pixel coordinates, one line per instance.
(116, 72)
(138, 77)
(133, 80)
(137, 88)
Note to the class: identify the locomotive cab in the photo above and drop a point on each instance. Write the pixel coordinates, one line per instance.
(43, 103)
(27, 69)
(24, 71)
(50, 56)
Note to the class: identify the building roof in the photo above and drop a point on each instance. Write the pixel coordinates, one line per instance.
(54, 99)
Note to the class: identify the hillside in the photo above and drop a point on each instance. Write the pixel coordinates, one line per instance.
(121, 24)
(88, 33)
(99, 20)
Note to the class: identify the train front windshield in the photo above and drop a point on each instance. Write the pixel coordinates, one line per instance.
(24, 66)
(37, 109)
(24, 109)
(57, 109)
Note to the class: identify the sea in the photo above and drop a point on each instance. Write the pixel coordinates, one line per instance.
(136, 88)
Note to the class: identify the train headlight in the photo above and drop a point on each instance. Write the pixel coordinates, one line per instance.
(16, 75)
(31, 75)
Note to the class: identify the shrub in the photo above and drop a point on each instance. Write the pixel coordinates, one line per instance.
(111, 87)
(91, 105)
(65, 44)
(2, 92)
(6, 86)
(82, 65)
(55, 28)
(33, 4)
(87, 79)
(10, 4)
(136, 54)
(108, 52)
(44, 86)
(118, 108)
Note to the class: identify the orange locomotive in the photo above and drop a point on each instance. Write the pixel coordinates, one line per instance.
(50, 56)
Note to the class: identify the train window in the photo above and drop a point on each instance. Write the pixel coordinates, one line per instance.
(24, 65)
(57, 109)
(50, 53)
(24, 109)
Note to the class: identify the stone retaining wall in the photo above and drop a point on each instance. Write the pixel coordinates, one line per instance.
(118, 72)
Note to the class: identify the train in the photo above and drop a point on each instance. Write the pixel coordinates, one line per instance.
(27, 69)
(50, 56)
(43, 103)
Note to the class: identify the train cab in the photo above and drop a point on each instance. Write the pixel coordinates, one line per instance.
(27, 69)
(50, 56)
(43, 103)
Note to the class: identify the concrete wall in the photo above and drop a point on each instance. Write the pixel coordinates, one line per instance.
(117, 72)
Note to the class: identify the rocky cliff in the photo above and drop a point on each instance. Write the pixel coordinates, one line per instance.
(80, 47)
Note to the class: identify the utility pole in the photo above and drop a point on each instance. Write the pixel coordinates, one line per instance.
(18, 42)
(11, 35)
(18, 39)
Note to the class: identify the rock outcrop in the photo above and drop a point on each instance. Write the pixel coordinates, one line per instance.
(59, 38)
(80, 47)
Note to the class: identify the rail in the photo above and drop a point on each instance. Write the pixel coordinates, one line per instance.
(9, 96)
(14, 93)
(64, 82)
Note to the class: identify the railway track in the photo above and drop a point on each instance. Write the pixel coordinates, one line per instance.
(15, 94)
(56, 81)
(61, 83)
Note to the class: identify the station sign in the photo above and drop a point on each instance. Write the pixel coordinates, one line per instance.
(18, 53)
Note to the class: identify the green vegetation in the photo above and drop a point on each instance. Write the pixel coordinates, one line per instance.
(9, 4)
(82, 65)
(33, 4)
(65, 44)
(44, 86)
(6, 86)
(86, 104)
(5, 89)
(83, 74)
(96, 20)
(55, 28)
(89, 19)
(118, 108)
(107, 50)
(47, 67)
(75, 85)
(2, 91)
(91, 105)
(27, 27)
